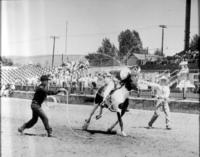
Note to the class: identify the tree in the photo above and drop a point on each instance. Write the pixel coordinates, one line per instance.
(107, 48)
(194, 43)
(129, 42)
(106, 55)
(6, 61)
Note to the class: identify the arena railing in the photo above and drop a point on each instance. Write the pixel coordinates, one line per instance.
(90, 91)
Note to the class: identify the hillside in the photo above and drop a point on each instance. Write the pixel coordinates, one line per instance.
(45, 60)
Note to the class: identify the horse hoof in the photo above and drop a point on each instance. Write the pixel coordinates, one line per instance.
(109, 130)
(98, 117)
(85, 127)
(124, 134)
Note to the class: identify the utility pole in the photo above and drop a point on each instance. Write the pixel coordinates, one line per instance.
(162, 43)
(62, 59)
(187, 24)
(54, 41)
(199, 14)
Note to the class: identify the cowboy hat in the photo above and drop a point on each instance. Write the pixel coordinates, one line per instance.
(44, 78)
(163, 78)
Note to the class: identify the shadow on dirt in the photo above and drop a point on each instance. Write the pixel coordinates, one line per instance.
(156, 128)
(99, 132)
(31, 134)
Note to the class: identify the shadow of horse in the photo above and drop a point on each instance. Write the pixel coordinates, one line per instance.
(99, 132)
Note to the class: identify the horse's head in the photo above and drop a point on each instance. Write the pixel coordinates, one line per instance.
(131, 82)
(129, 78)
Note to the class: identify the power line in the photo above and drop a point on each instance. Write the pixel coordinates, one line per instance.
(29, 40)
(92, 34)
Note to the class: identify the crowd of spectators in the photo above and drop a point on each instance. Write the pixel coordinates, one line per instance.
(76, 77)
(72, 75)
(172, 62)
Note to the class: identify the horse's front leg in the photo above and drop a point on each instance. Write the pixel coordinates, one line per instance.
(121, 123)
(112, 127)
(100, 113)
(87, 121)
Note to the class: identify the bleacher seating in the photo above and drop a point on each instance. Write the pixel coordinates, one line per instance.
(22, 74)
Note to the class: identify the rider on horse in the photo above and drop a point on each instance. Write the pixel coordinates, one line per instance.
(114, 83)
(115, 97)
(111, 85)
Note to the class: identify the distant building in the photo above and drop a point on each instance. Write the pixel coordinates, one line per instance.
(141, 59)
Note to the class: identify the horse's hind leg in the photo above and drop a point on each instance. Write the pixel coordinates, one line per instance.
(98, 100)
(87, 121)
(121, 123)
(112, 127)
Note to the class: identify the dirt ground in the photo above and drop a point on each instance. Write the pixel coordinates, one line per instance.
(71, 141)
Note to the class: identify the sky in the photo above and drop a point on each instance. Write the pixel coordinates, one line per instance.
(80, 25)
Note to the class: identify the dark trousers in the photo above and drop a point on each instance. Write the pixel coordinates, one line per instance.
(37, 112)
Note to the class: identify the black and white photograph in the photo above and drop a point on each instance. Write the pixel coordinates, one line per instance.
(99, 78)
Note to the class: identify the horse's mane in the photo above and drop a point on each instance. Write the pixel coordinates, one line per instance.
(129, 84)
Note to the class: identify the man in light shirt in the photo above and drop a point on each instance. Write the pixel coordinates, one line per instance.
(163, 92)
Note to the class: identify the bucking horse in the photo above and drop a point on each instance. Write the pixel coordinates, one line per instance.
(117, 101)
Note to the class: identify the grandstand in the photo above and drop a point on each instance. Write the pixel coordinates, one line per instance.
(27, 75)
(23, 73)
(20, 75)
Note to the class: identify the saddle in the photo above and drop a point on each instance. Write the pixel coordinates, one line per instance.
(107, 103)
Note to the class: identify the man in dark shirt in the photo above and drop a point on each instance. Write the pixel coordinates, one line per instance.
(40, 95)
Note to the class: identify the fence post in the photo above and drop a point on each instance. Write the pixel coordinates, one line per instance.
(184, 97)
(138, 93)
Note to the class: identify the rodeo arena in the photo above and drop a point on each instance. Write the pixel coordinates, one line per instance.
(115, 91)
(136, 105)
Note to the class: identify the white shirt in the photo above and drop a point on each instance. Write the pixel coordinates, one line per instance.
(162, 91)
(184, 70)
(95, 79)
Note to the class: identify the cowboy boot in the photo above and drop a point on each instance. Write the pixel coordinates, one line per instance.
(22, 128)
(86, 124)
(168, 126)
(49, 132)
